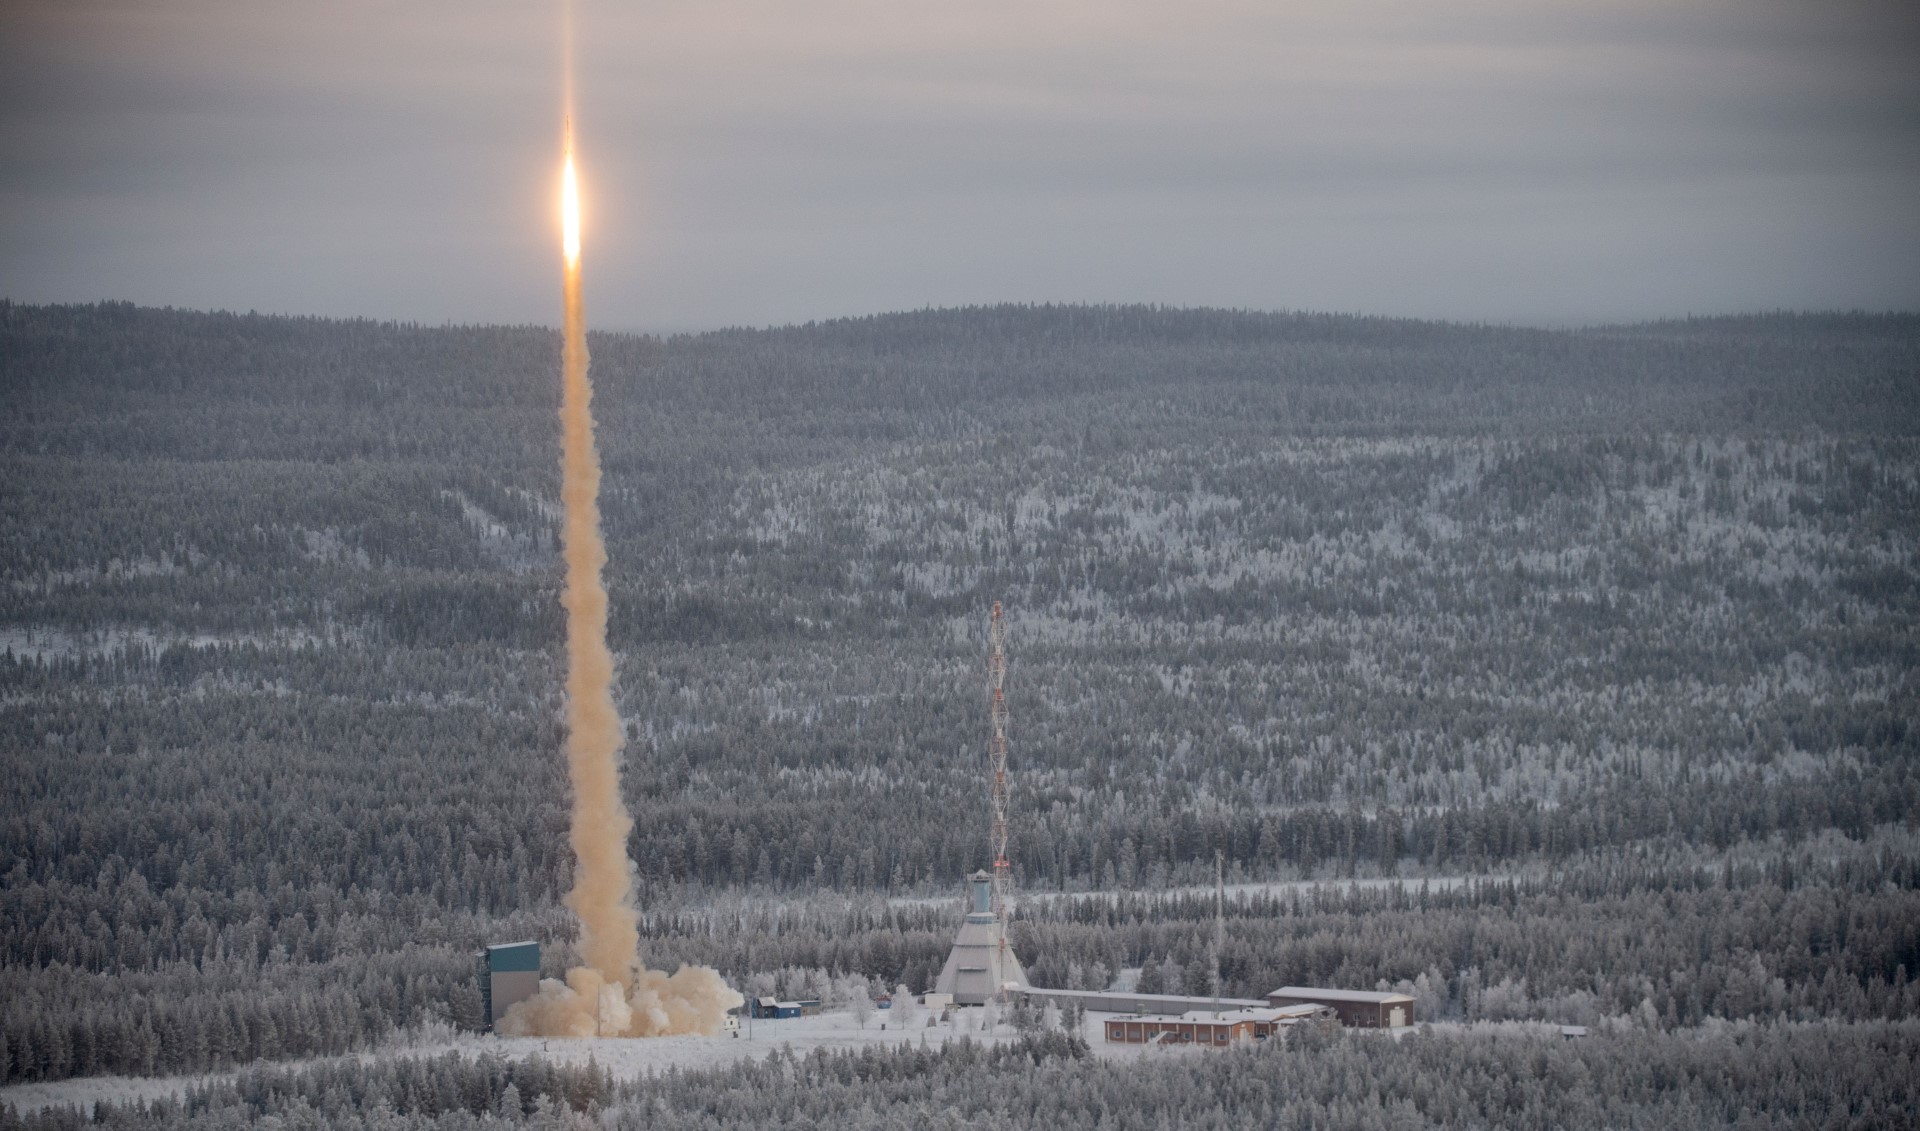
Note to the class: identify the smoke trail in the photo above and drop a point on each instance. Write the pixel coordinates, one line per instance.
(613, 993)
(602, 892)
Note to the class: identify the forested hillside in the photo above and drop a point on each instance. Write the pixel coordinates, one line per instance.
(1626, 618)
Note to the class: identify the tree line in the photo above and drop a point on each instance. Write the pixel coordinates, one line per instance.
(1744, 1075)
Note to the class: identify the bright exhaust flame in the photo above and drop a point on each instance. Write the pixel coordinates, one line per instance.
(611, 993)
(570, 210)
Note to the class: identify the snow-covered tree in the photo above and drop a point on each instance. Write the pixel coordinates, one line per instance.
(904, 1007)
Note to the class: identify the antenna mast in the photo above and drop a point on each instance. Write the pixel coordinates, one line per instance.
(1219, 919)
(997, 758)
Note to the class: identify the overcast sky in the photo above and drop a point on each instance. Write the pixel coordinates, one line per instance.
(765, 161)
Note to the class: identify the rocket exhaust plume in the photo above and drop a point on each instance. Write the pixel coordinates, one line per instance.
(612, 993)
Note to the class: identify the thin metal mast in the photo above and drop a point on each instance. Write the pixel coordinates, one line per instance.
(997, 758)
(1219, 919)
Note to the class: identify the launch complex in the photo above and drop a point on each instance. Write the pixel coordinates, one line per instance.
(611, 992)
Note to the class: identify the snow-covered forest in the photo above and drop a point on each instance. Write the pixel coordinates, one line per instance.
(1723, 1074)
(1600, 644)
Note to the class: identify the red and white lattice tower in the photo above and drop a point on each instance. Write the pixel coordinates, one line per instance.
(997, 757)
(982, 965)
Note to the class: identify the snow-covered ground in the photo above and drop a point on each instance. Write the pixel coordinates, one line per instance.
(85, 1091)
(832, 1030)
(625, 1058)
(628, 1058)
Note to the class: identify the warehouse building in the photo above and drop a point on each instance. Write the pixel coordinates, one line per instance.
(771, 1009)
(1212, 1028)
(1358, 1009)
(1116, 1001)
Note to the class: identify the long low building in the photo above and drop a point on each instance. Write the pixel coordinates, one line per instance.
(1107, 1001)
(1361, 1009)
(1209, 1028)
(774, 1010)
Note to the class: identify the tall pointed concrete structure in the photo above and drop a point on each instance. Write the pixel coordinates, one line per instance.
(981, 967)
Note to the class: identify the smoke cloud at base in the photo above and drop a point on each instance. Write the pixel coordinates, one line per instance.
(693, 999)
(612, 993)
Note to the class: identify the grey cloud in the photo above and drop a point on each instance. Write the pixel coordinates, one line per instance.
(751, 162)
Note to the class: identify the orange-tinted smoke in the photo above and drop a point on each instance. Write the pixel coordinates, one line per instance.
(612, 994)
(602, 892)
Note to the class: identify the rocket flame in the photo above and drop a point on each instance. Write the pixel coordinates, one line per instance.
(570, 210)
